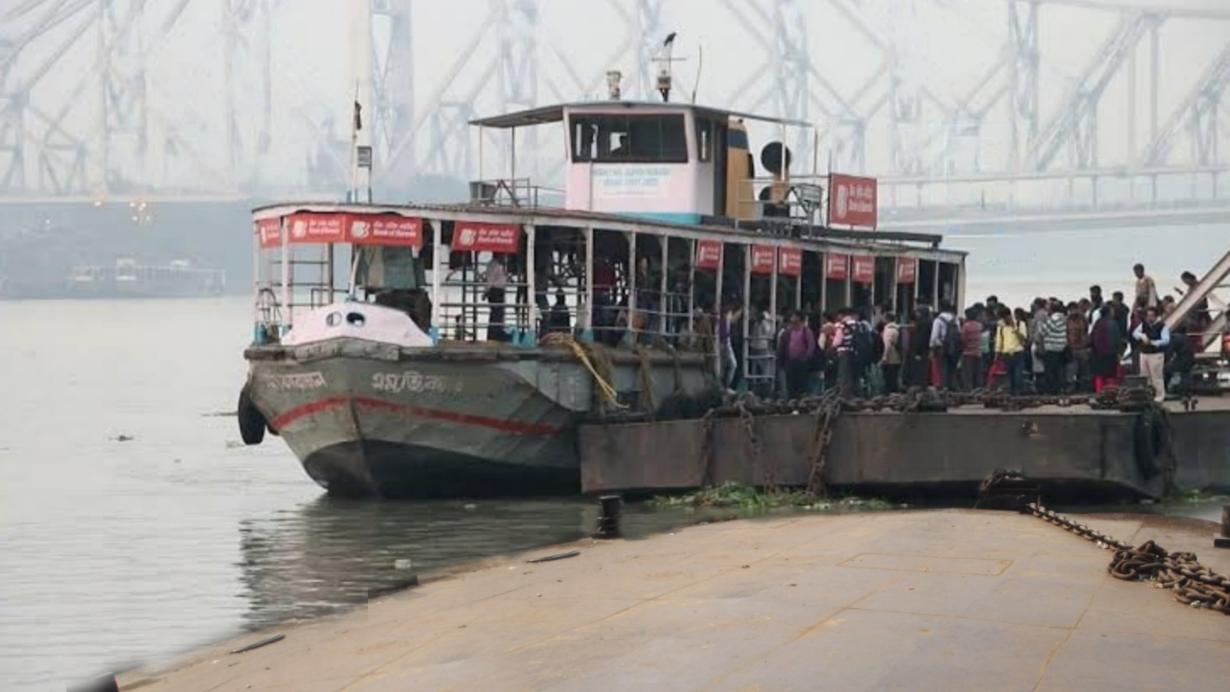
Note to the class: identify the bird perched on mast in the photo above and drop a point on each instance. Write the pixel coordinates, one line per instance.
(664, 68)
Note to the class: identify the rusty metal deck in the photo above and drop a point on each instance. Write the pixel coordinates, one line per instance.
(1070, 447)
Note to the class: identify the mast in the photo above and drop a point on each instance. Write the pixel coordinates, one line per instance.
(362, 119)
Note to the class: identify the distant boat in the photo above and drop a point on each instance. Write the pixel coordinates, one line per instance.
(128, 279)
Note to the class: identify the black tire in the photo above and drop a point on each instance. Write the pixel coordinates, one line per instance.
(251, 420)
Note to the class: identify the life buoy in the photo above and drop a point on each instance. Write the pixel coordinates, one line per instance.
(251, 421)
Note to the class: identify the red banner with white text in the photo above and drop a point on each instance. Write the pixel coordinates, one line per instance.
(340, 227)
(836, 266)
(907, 270)
(789, 261)
(852, 200)
(863, 269)
(762, 259)
(476, 236)
(708, 254)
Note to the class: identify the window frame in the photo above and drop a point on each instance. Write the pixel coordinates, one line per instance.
(579, 122)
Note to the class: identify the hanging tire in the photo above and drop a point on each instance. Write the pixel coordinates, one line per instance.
(251, 421)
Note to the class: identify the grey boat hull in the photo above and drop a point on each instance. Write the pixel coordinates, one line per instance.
(366, 418)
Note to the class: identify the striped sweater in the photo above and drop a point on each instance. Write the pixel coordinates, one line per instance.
(1053, 334)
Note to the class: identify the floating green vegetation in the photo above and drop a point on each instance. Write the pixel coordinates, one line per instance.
(748, 498)
(1196, 497)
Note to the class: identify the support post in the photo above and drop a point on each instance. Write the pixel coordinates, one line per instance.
(719, 310)
(662, 301)
(588, 333)
(747, 304)
(531, 336)
(632, 285)
(288, 318)
(824, 285)
(256, 284)
(691, 284)
(439, 261)
(773, 316)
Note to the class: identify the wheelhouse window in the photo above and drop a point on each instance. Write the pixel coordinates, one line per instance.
(629, 139)
(704, 138)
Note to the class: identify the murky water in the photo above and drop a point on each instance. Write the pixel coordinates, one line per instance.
(118, 550)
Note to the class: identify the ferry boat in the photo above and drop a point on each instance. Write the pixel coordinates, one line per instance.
(452, 349)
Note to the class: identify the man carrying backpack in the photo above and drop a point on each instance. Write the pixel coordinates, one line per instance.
(946, 348)
(853, 352)
(796, 350)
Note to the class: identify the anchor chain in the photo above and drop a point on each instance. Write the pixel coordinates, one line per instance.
(1193, 584)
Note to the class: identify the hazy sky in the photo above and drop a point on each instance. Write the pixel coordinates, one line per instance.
(945, 44)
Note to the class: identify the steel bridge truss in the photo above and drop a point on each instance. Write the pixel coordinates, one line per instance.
(80, 114)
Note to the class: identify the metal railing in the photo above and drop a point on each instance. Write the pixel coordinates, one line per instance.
(515, 192)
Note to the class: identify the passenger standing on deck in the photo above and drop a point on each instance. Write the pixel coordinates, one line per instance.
(1078, 348)
(1010, 341)
(797, 348)
(1146, 288)
(826, 341)
(726, 346)
(497, 281)
(890, 362)
(848, 331)
(1153, 337)
(919, 348)
(1053, 338)
(1106, 345)
(971, 351)
(1095, 302)
(945, 348)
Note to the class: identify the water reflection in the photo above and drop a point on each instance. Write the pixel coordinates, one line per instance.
(329, 554)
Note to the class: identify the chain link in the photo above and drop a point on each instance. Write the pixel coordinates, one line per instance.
(1193, 583)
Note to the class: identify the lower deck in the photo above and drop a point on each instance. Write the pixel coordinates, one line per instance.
(1075, 451)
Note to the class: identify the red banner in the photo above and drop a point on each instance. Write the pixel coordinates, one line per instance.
(864, 271)
(762, 259)
(475, 236)
(907, 270)
(835, 266)
(270, 232)
(708, 254)
(385, 229)
(360, 229)
(790, 261)
(317, 228)
(852, 200)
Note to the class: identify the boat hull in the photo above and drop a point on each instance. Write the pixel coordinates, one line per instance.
(371, 419)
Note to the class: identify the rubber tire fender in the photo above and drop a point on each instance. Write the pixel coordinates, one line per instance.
(251, 421)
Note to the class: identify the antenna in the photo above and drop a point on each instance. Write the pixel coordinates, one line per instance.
(664, 61)
(700, 62)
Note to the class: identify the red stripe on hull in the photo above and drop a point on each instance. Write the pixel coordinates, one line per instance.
(309, 409)
(501, 424)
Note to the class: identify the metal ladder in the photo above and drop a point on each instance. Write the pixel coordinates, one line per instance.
(1216, 278)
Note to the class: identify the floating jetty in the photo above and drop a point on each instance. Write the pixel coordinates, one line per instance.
(1073, 449)
(952, 599)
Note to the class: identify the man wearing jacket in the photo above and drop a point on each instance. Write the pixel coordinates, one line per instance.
(1153, 337)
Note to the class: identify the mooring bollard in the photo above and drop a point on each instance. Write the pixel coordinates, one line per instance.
(1223, 540)
(610, 507)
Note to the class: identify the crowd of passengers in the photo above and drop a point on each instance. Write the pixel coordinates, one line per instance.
(1053, 347)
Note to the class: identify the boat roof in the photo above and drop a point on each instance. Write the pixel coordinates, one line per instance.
(551, 114)
(890, 242)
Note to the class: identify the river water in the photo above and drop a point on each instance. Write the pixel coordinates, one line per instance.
(134, 525)
(117, 551)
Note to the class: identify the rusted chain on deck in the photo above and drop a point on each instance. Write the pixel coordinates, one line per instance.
(1193, 584)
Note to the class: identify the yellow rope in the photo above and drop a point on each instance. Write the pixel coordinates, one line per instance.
(608, 393)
